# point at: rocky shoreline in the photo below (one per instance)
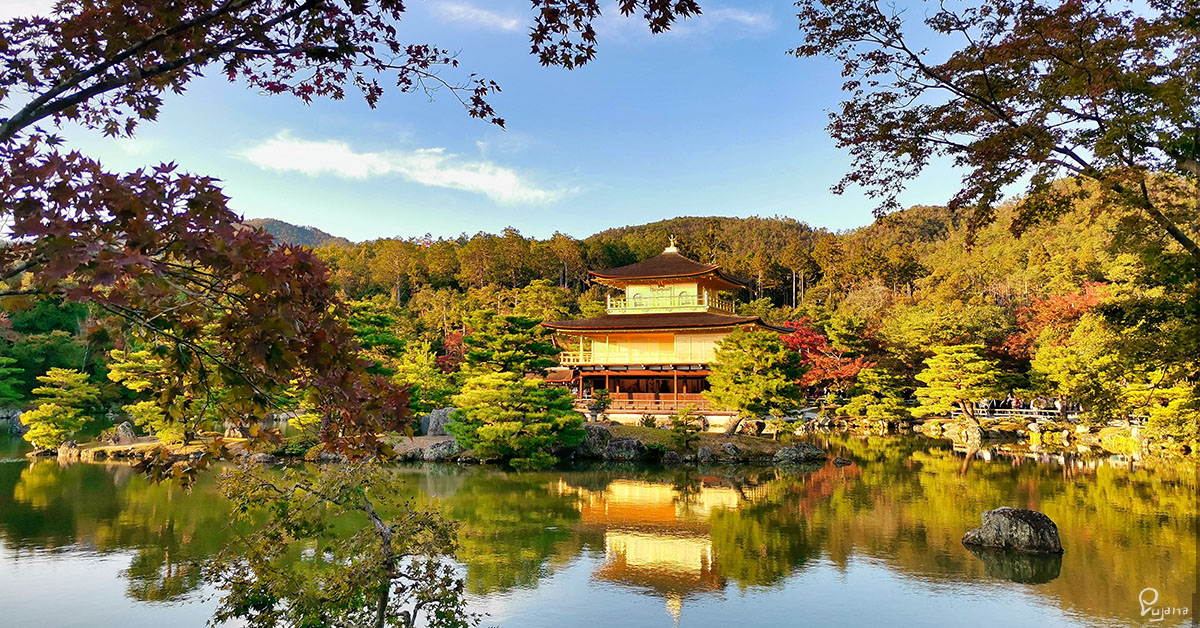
(614, 442)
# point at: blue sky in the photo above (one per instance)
(714, 118)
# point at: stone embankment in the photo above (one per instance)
(612, 442)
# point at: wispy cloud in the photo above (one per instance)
(426, 166)
(749, 19)
(475, 16)
(735, 22)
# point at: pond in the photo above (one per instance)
(875, 543)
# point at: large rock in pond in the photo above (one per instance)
(123, 435)
(595, 441)
(799, 454)
(1016, 529)
(732, 451)
(704, 455)
(441, 451)
(438, 420)
(624, 449)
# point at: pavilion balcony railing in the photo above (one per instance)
(576, 358)
(685, 301)
(568, 358)
(654, 402)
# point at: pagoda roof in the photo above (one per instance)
(668, 264)
(668, 320)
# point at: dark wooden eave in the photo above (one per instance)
(668, 265)
(663, 321)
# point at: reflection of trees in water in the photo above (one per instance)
(156, 575)
(110, 509)
(760, 543)
(903, 503)
(512, 524)
(1123, 529)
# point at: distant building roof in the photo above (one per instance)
(666, 265)
(670, 320)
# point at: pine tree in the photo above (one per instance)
(170, 408)
(957, 376)
(754, 374)
(508, 417)
(685, 428)
(60, 407)
(509, 344)
(876, 396)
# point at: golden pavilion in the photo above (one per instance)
(653, 347)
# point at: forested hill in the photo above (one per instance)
(294, 234)
(708, 238)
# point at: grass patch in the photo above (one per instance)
(750, 445)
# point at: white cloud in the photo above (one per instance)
(426, 166)
(735, 22)
(757, 21)
(475, 16)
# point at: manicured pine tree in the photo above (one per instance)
(60, 407)
(754, 374)
(515, 419)
(957, 376)
(171, 408)
(509, 344)
(685, 428)
(876, 396)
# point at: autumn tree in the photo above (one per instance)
(1027, 93)
(827, 366)
(62, 405)
(754, 374)
(508, 417)
(956, 377)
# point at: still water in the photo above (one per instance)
(873, 544)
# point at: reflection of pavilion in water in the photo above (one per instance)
(656, 536)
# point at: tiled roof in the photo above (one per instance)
(668, 264)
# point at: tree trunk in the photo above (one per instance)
(966, 410)
(793, 288)
(734, 425)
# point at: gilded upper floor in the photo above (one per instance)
(668, 283)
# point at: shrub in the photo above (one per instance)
(685, 428)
